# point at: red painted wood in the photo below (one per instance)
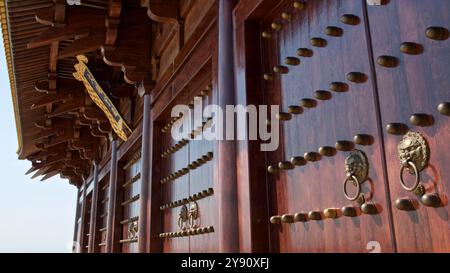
(146, 160)
(418, 85)
(319, 185)
(112, 199)
(225, 182)
(94, 206)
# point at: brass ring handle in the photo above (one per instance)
(358, 188)
(416, 172)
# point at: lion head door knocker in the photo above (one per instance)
(183, 218)
(133, 230)
(357, 170)
(194, 215)
(414, 154)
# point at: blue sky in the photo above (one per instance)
(34, 216)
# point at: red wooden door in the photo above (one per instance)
(324, 56)
(186, 174)
(334, 107)
(130, 206)
(417, 83)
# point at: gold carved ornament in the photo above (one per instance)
(100, 98)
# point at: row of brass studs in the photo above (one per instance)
(132, 180)
(205, 125)
(333, 31)
(203, 94)
(429, 200)
(103, 229)
(277, 26)
(192, 166)
(129, 241)
(175, 148)
(131, 220)
(133, 160)
(418, 119)
(182, 143)
(338, 87)
(168, 126)
(329, 213)
(410, 48)
(195, 197)
(348, 19)
(326, 151)
(187, 233)
(131, 200)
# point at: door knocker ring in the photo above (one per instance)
(416, 173)
(355, 181)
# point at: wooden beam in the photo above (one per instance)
(69, 107)
(82, 46)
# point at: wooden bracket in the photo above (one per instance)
(132, 50)
(163, 11)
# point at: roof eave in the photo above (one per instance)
(9, 63)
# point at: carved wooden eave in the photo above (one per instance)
(55, 116)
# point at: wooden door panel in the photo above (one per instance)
(318, 185)
(172, 191)
(417, 85)
(200, 180)
(131, 190)
(102, 213)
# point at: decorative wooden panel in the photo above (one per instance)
(417, 83)
(331, 51)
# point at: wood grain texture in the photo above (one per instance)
(418, 85)
(318, 185)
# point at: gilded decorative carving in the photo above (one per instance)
(100, 98)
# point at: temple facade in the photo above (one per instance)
(350, 100)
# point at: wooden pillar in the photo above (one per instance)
(93, 225)
(81, 234)
(111, 197)
(76, 226)
(145, 172)
(226, 186)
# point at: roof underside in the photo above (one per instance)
(31, 65)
